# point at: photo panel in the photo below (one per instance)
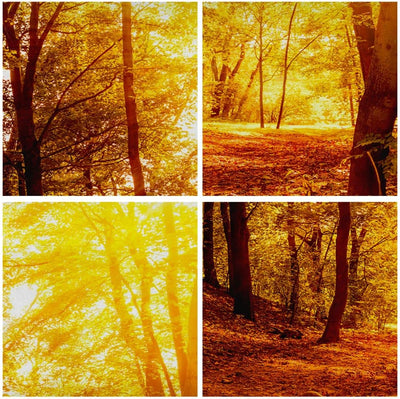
(299, 98)
(299, 299)
(100, 299)
(100, 98)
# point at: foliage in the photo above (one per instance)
(270, 258)
(324, 75)
(78, 99)
(63, 333)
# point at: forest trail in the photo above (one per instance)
(243, 359)
(241, 159)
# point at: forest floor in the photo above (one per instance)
(242, 358)
(243, 159)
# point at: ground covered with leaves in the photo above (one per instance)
(242, 159)
(241, 358)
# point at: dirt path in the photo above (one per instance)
(240, 359)
(254, 161)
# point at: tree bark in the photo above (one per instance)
(260, 69)
(332, 329)
(285, 68)
(130, 102)
(377, 111)
(219, 90)
(190, 387)
(364, 30)
(210, 274)
(227, 231)
(355, 290)
(294, 266)
(242, 289)
(230, 91)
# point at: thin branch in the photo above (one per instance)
(73, 81)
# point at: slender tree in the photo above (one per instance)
(210, 275)
(190, 387)
(130, 101)
(224, 206)
(242, 288)
(172, 295)
(332, 329)
(294, 265)
(286, 66)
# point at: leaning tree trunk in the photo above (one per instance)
(332, 329)
(377, 111)
(227, 231)
(242, 290)
(130, 102)
(210, 274)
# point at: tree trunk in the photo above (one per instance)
(172, 294)
(364, 30)
(210, 275)
(227, 231)
(242, 289)
(230, 91)
(260, 70)
(355, 291)
(285, 68)
(332, 329)
(130, 102)
(247, 91)
(377, 111)
(125, 320)
(219, 90)
(294, 266)
(190, 387)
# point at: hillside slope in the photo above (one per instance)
(242, 358)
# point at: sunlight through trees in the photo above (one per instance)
(100, 299)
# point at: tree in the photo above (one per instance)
(364, 30)
(294, 265)
(130, 102)
(79, 126)
(173, 300)
(285, 67)
(242, 288)
(93, 320)
(224, 206)
(377, 111)
(190, 387)
(22, 83)
(210, 275)
(332, 329)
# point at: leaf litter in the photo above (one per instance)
(242, 358)
(301, 161)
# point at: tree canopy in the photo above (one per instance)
(78, 127)
(100, 299)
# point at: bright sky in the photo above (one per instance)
(21, 297)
